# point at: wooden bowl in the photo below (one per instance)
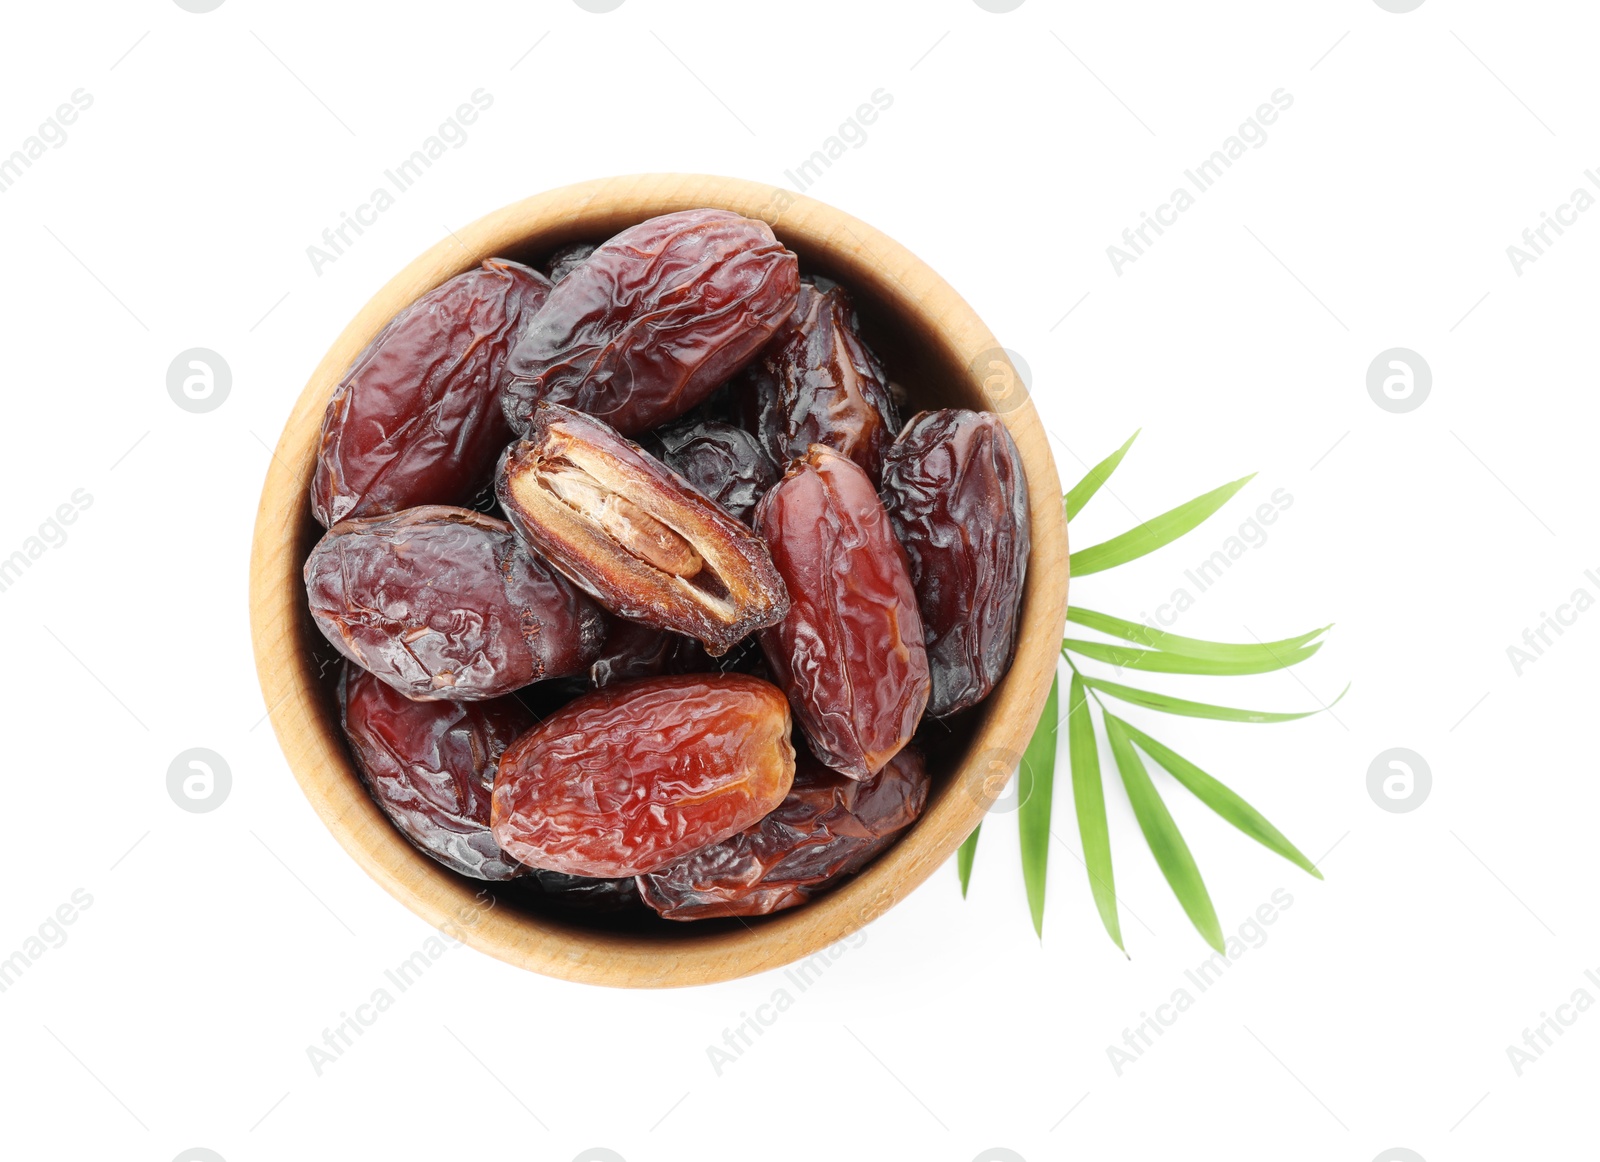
(930, 341)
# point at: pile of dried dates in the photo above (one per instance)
(643, 587)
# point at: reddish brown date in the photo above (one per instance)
(430, 767)
(624, 779)
(653, 320)
(417, 418)
(817, 383)
(724, 463)
(849, 654)
(955, 491)
(628, 530)
(567, 259)
(444, 602)
(826, 828)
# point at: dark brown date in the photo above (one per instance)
(417, 418)
(430, 767)
(849, 654)
(817, 383)
(624, 779)
(955, 491)
(632, 650)
(585, 895)
(444, 602)
(725, 463)
(654, 320)
(628, 530)
(567, 259)
(826, 828)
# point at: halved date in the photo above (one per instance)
(430, 767)
(653, 320)
(417, 418)
(444, 602)
(956, 493)
(624, 779)
(634, 534)
(849, 653)
(816, 382)
(826, 828)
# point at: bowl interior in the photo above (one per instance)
(927, 339)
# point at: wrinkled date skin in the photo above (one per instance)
(955, 491)
(653, 320)
(817, 383)
(587, 895)
(417, 418)
(850, 652)
(826, 828)
(624, 779)
(632, 650)
(567, 259)
(725, 463)
(628, 530)
(444, 602)
(430, 766)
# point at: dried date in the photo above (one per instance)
(724, 463)
(816, 382)
(430, 767)
(443, 602)
(624, 779)
(653, 320)
(849, 654)
(956, 494)
(585, 895)
(628, 530)
(632, 650)
(567, 259)
(417, 418)
(826, 828)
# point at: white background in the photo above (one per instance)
(1376, 1014)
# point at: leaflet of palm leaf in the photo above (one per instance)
(1143, 648)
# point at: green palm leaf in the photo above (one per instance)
(1158, 661)
(1035, 788)
(1154, 533)
(964, 857)
(1085, 489)
(1170, 705)
(1155, 639)
(1161, 833)
(1088, 797)
(1221, 799)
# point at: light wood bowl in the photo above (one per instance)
(931, 342)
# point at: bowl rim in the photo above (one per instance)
(321, 764)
